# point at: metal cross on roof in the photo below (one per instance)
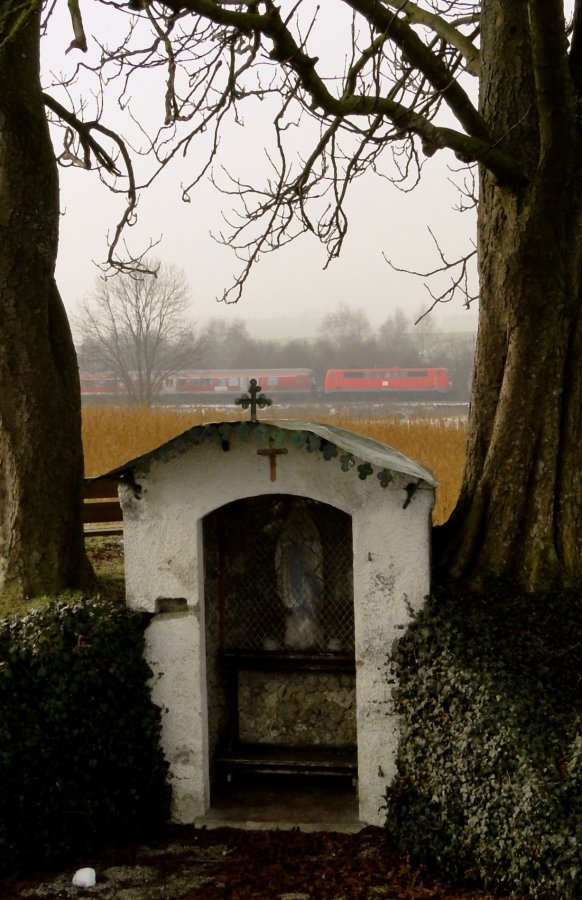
(255, 399)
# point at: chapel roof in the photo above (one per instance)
(348, 447)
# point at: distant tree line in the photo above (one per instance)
(138, 329)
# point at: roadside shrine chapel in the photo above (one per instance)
(279, 561)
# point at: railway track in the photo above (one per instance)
(355, 409)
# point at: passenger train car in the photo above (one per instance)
(209, 384)
(291, 383)
(215, 385)
(101, 387)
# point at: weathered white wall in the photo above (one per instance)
(163, 558)
(391, 577)
(173, 651)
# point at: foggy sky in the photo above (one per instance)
(290, 284)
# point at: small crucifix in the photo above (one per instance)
(272, 453)
(255, 399)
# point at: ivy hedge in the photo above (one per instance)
(490, 757)
(80, 759)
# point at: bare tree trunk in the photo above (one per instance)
(41, 462)
(519, 515)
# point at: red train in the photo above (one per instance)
(204, 383)
(290, 384)
(211, 383)
(101, 387)
(374, 382)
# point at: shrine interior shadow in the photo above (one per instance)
(326, 803)
(279, 629)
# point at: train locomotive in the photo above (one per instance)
(375, 382)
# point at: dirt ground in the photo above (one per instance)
(189, 863)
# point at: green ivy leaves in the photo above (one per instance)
(490, 756)
(79, 735)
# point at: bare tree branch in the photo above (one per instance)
(80, 41)
(459, 271)
(403, 65)
(446, 30)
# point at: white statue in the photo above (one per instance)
(299, 568)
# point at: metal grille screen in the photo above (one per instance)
(284, 571)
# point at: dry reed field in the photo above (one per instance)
(113, 435)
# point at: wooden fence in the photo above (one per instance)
(102, 514)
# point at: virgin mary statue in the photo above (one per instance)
(299, 568)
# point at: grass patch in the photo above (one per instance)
(106, 555)
(11, 606)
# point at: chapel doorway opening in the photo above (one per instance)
(279, 619)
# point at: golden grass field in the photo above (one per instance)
(112, 435)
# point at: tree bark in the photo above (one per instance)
(519, 515)
(41, 460)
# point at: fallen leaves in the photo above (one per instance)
(235, 864)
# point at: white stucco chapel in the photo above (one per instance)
(278, 560)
